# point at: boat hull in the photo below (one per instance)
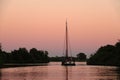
(68, 63)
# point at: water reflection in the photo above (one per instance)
(100, 73)
(91, 73)
(58, 72)
(27, 73)
(118, 72)
(0, 74)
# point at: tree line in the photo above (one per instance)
(22, 55)
(108, 55)
(79, 57)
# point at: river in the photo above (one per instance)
(54, 71)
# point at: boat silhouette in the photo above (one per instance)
(67, 60)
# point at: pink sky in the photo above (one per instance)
(41, 24)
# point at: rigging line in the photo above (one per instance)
(70, 49)
(64, 47)
(69, 44)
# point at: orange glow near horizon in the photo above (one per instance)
(41, 24)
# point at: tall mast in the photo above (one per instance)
(66, 40)
(67, 61)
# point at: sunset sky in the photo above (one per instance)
(41, 24)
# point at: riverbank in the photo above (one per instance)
(22, 65)
(36, 64)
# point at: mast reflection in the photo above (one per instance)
(66, 68)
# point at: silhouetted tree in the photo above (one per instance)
(1, 57)
(81, 57)
(22, 55)
(106, 55)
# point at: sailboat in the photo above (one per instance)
(67, 61)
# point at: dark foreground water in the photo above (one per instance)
(54, 71)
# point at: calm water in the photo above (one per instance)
(54, 71)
